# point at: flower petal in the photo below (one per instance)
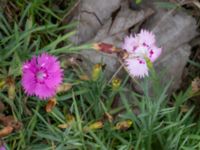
(29, 82)
(54, 79)
(2, 147)
(44, 92)
(49, 62)
(130, 43)
(137, 67)
(146, 37)
(153, 53)
(30, 65)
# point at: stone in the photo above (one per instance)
(93, 14)
(172, 29)
(171, 66)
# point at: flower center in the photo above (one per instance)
(41, 75)
(141, 51)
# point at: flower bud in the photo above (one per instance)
(70, 118)
(2, 83)
(93, 126)
(105, 47)
(11, 91)
(116, 84)
(96, 71)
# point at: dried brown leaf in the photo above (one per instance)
(123, 125)
(11, 122)
(2, 107)
(6, 131)
(84, 77)
(64, 87)
(94, 126)
(63, 126)
(51, 104)
(196, 85)
(184, 108)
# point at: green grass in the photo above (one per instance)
(159, 125)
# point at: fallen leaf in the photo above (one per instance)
(69, 120)
(184, 108)
(51, 104)
(2, 107)
(64, 87)
(123, 125)
(5, 120)
(6, 131)
(93, 126)
(196, 85)
(11, 122)
(84, 77)
(63, 126)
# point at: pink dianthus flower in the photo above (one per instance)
(140, 47)
(2, 147)
(41, 76)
